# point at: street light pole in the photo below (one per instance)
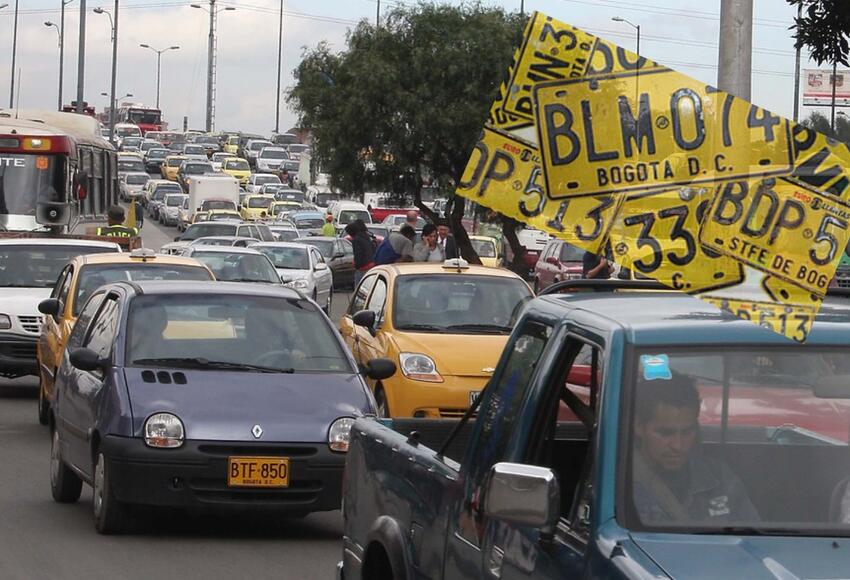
(14, 53)
(211, 59)
(49, 24)
(114, 25)
(633, 25)
(735, 56)
(81, 57)
(797, 71)
(158, 64)
(279, 58)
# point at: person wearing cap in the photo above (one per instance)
(328, 228)
(116, 228)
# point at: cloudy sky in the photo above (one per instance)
(678, 33)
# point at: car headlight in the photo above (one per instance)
(300, 284)
(339, 434)
(5, 322)
(164, 430)
(419, 367)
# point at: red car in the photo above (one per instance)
(559, 261)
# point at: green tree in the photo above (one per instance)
(820, 123)
(824, 28)
(406, 101)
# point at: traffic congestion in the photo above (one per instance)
(559, 312)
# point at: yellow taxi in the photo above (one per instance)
(170, 166)
(78, 281)
(238, 168)
(256, 207)
(221, 214)
(445, 326)
(232, 145)
(487, 249)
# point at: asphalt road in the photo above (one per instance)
(40, 539)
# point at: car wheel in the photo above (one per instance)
(110, 515)
(43, 405)
(64, 483)
(381, 400)
(330, 302)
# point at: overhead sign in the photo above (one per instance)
(817, 87)
(671, 178)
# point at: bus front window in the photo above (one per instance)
(28, 179)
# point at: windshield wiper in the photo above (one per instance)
(485, 327)
(201, 362)
(430, 327)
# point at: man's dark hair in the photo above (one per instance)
(407, 231)
(359, 226)
(442, 222)
(115, 213)
(428, 229)
(351, 229)
(679, 391)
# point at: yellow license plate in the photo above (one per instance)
(656, 235)
(794, 322)
(781, 228)
(258, 472)
(651, 130)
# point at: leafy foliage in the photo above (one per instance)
(824, 28)
(820, 123)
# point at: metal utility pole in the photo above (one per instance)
(633, 25)
(378, 15)
(59, 97)
(81, 57)
(735, 64)
(158, 64)
(832, 104)
(211, 61)
(114, 25)
(797, 73)
(14, 53)
(279, 58)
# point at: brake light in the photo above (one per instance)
(36, 144)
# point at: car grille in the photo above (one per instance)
(215, 490)
(842, 277)
(226, 450)
(31, 324)
(18, 350)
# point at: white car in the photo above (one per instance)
(217, 159)
(132, 184)
(29, 269)
(270, 158)
(194, 151)
(253, 148)
(170, 207)
(296, 150)
(258, 180)
(345, 212)
(303, 268)
(395, 220)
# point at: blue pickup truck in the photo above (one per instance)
(623, 435)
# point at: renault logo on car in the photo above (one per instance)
(257, 431)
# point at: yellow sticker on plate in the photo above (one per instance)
(794, 322)
(656, 235)
(650, 131)
(504, 174)
(781, 228)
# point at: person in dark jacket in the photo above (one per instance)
(446, 241)
(364, 250)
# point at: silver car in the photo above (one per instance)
(303, 268)
(170, 207)
(131, 185)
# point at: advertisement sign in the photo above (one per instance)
(817, 87)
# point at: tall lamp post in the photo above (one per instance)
(213, 12)
(59, 32)
(279, 58)
(114, 25)
(158, 63)
(14, 53)
(633, 25)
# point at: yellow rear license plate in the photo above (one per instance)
(653, 130)
(258, 472)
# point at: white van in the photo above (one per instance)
(345, 212)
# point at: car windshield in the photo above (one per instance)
(34, 266)
(137, 179)
(325, 246)
(223, 216)
(219, 157)
(131, 141)
(194, 150)
(163, 190)
(174, 200)
(196, 231)
(239, 267)
(157, 153)
(347, 216)
(484, 248)
(210, 204)
(263, 179)
(209, 140)
(93, 276)
(175, 162)
(285, 235)
(257, 145)
(197, 168)
(724, 440)
(237, 165)
(570, 253)
(378, 230)
(127, 165)
(212, 242)
(323, 199)
(257, 333)
(308, 223)
(298, 148)
(274, 154)
(260, 202)
(289, 258)
(457, 303)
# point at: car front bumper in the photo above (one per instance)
(18, 356)
(447, 400)
(195, 476)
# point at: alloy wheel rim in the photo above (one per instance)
(97, 499)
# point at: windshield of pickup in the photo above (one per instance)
(33, 266)
(93, 276)
(196, 231)
(239, 266)
(728, 442)
(457, 303)
(256, 333)
(260, 202)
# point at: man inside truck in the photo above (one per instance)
(672, 479)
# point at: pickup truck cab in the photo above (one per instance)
(623, 435)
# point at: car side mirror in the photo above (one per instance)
(86, 359)
(320, 266)
(50, 307)
(176, 238)
(366, 319)
(379, 369)
(523, 495)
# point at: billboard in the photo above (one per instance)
(817, 88)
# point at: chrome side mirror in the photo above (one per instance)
(523, 495)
